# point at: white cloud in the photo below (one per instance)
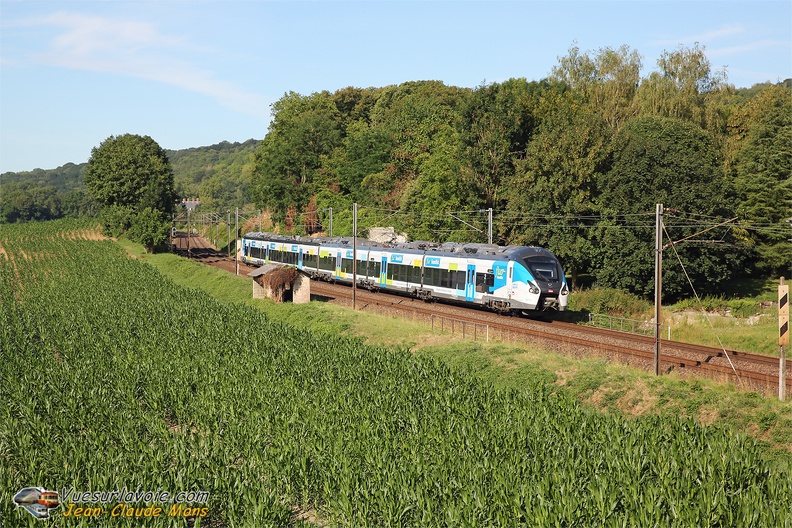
(748, 48)
(708, 36)
(138, 49)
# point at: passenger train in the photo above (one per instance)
(505, 279)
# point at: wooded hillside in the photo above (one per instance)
(218, 174)
(575, 162)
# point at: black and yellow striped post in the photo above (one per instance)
(783, 336)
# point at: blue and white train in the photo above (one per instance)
(504, 279)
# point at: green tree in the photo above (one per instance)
(668, 161)
(25, 202)
(762, 175)
(552, 196)
(606, 82)
(681, 87)
(411, 116)
(496, 126)
(133, 171)
(366, 150)
(149, 227)
(440, 188)
(303, 131)
(131, 177)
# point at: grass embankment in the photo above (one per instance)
(609, 387)
(745, 318)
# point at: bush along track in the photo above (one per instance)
(112, 376)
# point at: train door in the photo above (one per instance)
(510, 268)
(338, 266)
(383, 278)
(470, 283)
(300, 259)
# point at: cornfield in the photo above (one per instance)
(111, 376)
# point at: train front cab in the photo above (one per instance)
(538, 283)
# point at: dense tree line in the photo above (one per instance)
(575, 162)
(44, 195)
(219, 174)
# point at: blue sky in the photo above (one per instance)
(194, 73)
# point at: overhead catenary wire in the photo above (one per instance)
(673, 245)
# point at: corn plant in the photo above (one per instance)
(112, 376)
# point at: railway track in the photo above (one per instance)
(754, 371)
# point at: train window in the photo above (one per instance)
(484, 281)
(544, 267)
(400, 272)
(327, 263)
(309, 261)
(416, 275)
(461, 279)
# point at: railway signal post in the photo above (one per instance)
(783, 336)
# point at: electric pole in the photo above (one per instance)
(489, 230)
(658, 283)
(354, 255)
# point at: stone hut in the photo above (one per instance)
(281, 283)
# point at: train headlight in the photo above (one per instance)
(564, 290)
(533, 289)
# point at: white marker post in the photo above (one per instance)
(783, 336)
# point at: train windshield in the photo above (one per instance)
(543, 267)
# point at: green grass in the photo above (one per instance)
(742, 318)
(623, 390)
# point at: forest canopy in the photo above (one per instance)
(575, 162)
